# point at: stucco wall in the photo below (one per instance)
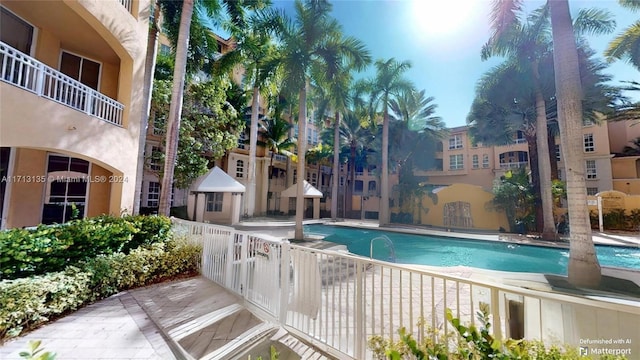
(28, 163)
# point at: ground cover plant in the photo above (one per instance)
(470, 343)
(28, 302)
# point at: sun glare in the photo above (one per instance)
(435, 18)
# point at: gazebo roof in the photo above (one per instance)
(309, 191)
(217, 180)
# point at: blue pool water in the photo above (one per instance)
(441, 251)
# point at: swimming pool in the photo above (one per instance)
(441, 251)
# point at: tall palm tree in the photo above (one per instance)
(584, 268)
(355, 134)
(525, 44)
(626, 46)
(275, 132)
(181, 44)
(312, 44)
(387, 84)
(256, 52)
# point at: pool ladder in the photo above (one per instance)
(389, 245)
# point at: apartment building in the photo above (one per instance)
(625, 168)
(71, 107)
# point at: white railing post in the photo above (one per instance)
(284, 281)
(244, 249)
(39, 80)
(89, 103)
(228, 281)
(360, 342)
(495, 313)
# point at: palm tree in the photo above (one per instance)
(312, 44)
(627, 44)
(388, 84)
(526, 44)
(584, 268)
(275, 137)
(181, 44)
(355, 134)
(256, 52)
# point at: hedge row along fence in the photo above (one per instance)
(51, 248)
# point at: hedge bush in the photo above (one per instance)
(50, 248)
(29, 302)
(617, 219)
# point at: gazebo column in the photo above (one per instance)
(199, 205)
(236, 199)
(316, 208)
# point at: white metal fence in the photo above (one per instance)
(337, 301)
(23, 71)
(128, 4)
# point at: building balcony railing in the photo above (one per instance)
(128, 4)
(514, 165)
(29, 74)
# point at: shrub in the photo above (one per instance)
(470, 343)
(49, 248)
(28, 302)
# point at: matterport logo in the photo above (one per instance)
(605, 347)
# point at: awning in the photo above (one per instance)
(309, 191)
(217, 180)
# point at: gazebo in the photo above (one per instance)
(221, 201)
(309, 192)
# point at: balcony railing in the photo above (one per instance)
(128, 4)
(338, 301)
(29, 74)
(514, 165)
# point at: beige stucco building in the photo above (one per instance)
(70, 107)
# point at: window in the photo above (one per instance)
(153, 194)
(314, 179)
(295, 130)
(81, 69)
(592, 190)
(474, 162)
(67, 187)
(520, 139)
(588, 122)
(485, 161)
(455, 142)
(158, 124)
(15, 31)
(242, 139)
(239, 169)
(154, 159)
(214, 202)
(592, 172)
(341, 180)
(589, 145)
(439, 146)
(372, 186)
(295, 176)
(558, 155)
(456, 162)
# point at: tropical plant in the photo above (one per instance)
(312, 44)
(626, 46)
(584, 268)
(634, 149)
(514, 195)
(388, 84)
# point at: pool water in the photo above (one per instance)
(441, 251)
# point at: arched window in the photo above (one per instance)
(240, 169)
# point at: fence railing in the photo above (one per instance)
(128, 4)
(337, 301)
(25, 72)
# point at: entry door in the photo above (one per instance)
(67, 189)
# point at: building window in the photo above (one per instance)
(295, 130)
(341, 181)
(153, 194)
(242, 140)
(158, 124)
(155, 159)
(314, 179)
(592, 190)
(589, 145)
(455, 142)
(485, 161)
(214, 202)
(475, 163)
(372, 186)
(359, 184)
(80, 69)
(456, 162)
(588, 122)
(558, 155)
(67, 187)
(239, 169)
(520, 139)
(592, 172)
(295, 176)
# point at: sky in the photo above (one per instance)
(442, 40)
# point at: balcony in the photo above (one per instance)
(31, 75)
(514, 165)
(128, 4)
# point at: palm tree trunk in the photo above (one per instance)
(149, 69)
(336, 167)
(250, 202)
(302, 141)
(532, 144)
(352, 175)
(175, 109)
(384, 191)
(553, 160)
(584, 269)
(544, 166)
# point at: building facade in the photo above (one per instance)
(71, 107)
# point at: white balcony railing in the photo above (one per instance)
(29, 74)
(514, 165)
(338, 301)
(128, 4)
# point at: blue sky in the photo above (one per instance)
(442, 39)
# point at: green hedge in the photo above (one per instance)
(617, 219)
(50, 248)
(28, 302)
